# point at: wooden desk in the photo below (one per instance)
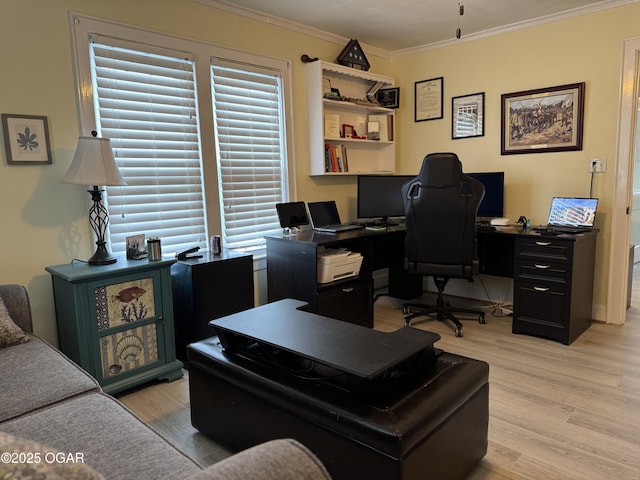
(553, 275)
(292, 272)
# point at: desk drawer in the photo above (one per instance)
(543, 271)
(351, 301)
(551, 249)
(540, 310)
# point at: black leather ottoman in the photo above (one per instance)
(432, 425)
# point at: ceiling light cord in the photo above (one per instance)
(460, 13)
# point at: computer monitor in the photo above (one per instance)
(492, 205)
(380, 196)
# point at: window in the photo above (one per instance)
(146, 104)
(195, 128)
(249, 131)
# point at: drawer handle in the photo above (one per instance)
(541, 289)
(347, 290)
(540, 265)
(543, 244)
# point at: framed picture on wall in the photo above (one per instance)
(429, 99)
(543, 120)
(26, 139)
(389, 97)
(467, 116)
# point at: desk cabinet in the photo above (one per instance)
(553, 285)
(207, 288)
(116, 321)
(292, 273)
(348, 300)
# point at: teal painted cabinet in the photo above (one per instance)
(116, 321)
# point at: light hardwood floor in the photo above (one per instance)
(556, 411)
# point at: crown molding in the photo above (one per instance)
(576, 12)
(288, 24)
(340, 40)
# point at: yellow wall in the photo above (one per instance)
(582, 49)
(45, 221)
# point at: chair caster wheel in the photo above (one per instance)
(459, 332)
(482, 319)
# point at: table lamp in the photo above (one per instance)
(93, 165)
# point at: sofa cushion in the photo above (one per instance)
(25, 459)
(282, 459)
(35, 375)
(10, 333)
(112, 440)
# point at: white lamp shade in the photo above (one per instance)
(93, 164)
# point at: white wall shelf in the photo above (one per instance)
(362, 155)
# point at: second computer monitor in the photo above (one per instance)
(492, 205)
(380, 196)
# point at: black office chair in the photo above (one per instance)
(440, 208)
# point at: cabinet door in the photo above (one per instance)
(129, 324)
(540, 309)
(350, 301)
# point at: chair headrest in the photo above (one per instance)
(440, 169)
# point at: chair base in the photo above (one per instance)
(441, 311)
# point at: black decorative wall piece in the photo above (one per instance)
(353, 56)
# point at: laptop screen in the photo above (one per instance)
(572, 212)
(323, 213)
(292, 214)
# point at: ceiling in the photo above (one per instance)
(393, 25)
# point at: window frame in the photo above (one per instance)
(202, 52)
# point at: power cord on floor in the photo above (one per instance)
(498, 309)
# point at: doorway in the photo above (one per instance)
(634, 238)
(621, 218)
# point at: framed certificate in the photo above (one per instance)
(429, 99)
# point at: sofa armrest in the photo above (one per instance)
(16, 299)
(283, 459)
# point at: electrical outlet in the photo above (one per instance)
(597, 165)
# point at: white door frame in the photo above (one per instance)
(623, 187)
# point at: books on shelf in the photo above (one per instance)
(335, 158)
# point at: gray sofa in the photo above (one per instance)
(53, 415)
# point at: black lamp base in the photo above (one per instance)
(102, 256)
(99, 219)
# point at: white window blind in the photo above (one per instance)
(249, 130)
(145, 101)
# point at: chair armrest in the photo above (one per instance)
(16, 299)
(284, 459)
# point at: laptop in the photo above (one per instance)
(292, 214)
(325, 218)
(572, 215)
